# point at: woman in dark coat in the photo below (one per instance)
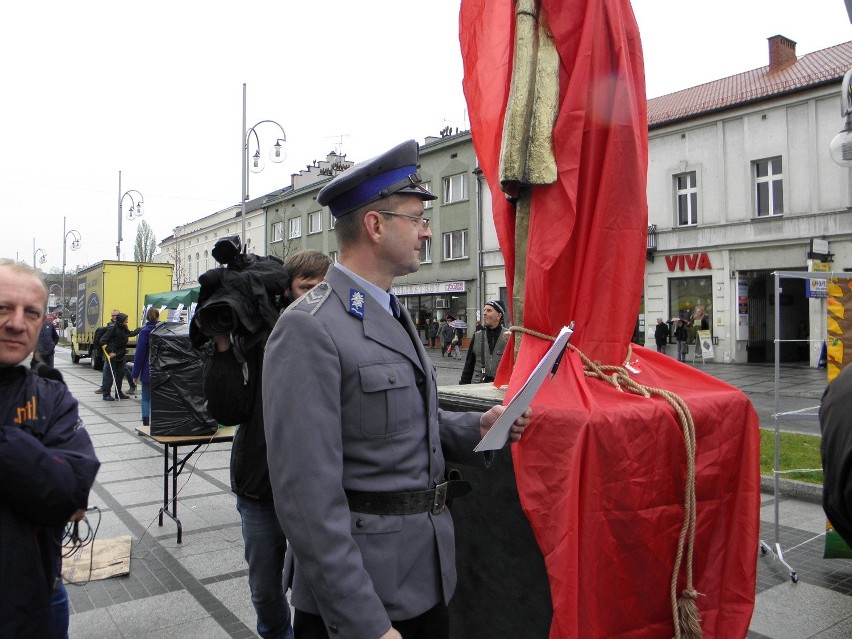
(142, 363)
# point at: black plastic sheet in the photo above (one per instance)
(178, 406)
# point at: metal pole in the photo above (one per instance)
(64, 242)
(118, 244)
(244, 194)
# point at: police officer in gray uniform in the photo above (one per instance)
(356, 441)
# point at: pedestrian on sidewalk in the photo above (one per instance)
(486, 347)
(142, 363)
(48, 338)
(447, 332)
(661, 335)
(432, 332)
(681, 335)
(115, 342)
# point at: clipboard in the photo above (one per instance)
(498, 435)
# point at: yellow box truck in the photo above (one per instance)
(112, 285)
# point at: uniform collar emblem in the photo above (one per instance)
(356, 303)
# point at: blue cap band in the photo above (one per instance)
(368, 190)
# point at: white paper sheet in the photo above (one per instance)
(498, 435)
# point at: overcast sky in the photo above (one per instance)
(154, 89)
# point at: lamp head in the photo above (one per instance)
(841, 146)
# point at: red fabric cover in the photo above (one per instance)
(601, 473)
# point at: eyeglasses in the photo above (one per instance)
(423, 221)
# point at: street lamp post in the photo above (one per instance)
(276, 154)
(42, 258)
(75, 244)
(134, 212)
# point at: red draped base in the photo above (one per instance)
(601, 477)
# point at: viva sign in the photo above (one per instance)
(693, 262)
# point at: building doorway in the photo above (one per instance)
(793, 318)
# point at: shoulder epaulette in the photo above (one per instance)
(311, 301)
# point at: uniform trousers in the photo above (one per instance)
(432, 624)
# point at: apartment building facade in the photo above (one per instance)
(740, 185)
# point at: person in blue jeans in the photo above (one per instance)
(232, 386)
(142, 363)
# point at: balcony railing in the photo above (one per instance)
(652, 243)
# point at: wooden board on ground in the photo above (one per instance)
(102, 559)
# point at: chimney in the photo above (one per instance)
(782, 53)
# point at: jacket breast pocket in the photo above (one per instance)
(388, 398)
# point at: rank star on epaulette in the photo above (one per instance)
(356, 303)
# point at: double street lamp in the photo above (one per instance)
(75, 244)
(276, 154)
(134, 212)
(38, 255)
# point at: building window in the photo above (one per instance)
(295, 228)
(333, 255)
(314, 222)
(426, 252)
(455, 188)
(331, 221)
(277, 231)
(768, 187)
(686, 196)
(427, 204)
(455, 245)
(206, 261)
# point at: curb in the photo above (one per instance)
(792, 488)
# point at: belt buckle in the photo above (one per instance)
(440, 500)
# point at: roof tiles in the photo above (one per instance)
(810, 70)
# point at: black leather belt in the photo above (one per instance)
(407, 503)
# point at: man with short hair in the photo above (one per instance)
(47, 464)
(355, 439)
(486, 347)
(233, 392)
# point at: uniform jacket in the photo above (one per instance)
(351, 403)
(47, 466)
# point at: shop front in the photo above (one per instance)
(433, 302)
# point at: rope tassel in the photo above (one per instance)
(688, 619)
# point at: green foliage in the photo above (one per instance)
(797, 452)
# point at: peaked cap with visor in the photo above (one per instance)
(392, 172)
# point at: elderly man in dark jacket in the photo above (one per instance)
(115, 340)
(47, 463)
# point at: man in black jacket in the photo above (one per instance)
(232, 385)
(115, 340)
(47, 464)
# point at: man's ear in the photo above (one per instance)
(373, 221)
